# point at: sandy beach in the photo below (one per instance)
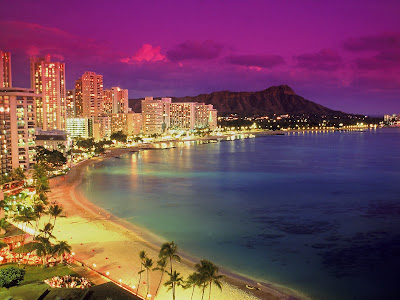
(111, 245)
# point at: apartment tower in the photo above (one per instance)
(48, 79)
(5, 69)
(90, 85)
(17, 127)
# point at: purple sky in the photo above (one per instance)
(342, 54)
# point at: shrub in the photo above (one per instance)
(11, 276)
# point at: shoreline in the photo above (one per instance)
(78, 207)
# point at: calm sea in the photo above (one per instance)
(317, 212)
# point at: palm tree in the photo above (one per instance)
(161, 265)
(61, 248)
(42, 198)
(168, 250)
(193, 280)
(147, 264)
(3, 225)
(18, 174)
(174, 280)
(39, 209)
(142, 256)
(209, 273)
(46, 231)
(26, 216)
(55, 211)
(43, 248)
(40, 179)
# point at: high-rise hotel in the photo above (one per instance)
(89, 95)
(5, 69)
(17, 127)
(48, 79)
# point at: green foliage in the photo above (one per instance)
(119, 136)
(11, 276)
(52, 158)
(85, 143)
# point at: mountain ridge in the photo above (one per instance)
(278, 100)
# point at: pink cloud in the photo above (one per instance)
(34, 40)
(147, 53)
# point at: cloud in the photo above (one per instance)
(204, 50)
(380, 42)
(324, 60)
(147, 53)
(256, 62)
(34, 40)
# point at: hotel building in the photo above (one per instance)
(182, 116)
(115, 101)
(17, 127)
(48, 79)
(91, 87)
(130, 123)
(80, 127)
(159, 116)
(102, 127)
(5, 69)
(71, 104)
(155, 115)
(78, 99)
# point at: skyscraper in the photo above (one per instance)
(5, 69)
(48, 79)
(17, 127)
(115, 101)
(91, 85)
(70, 102)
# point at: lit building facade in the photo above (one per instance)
(78, 99)
(212, 118)
(80, 127)
(102, 128)
(71, 104)
(92, 94)
(159, 116)
(182, 116)
(52, 142)
(5, 69)
(115, 101)
(48, 79)
(17, 127)
(130, 123)
(155, 115)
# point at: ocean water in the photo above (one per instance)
(317, 212)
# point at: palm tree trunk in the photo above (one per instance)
(148, 283)
(202, 295)
(36, 227)
(173, 291)
(162, 274)
(209, 294)
(140, 277)
(192, 292)
(170, 260)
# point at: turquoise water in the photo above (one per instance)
(317, 212)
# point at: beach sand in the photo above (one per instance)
(109, 244)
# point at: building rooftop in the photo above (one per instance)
(53, 137)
